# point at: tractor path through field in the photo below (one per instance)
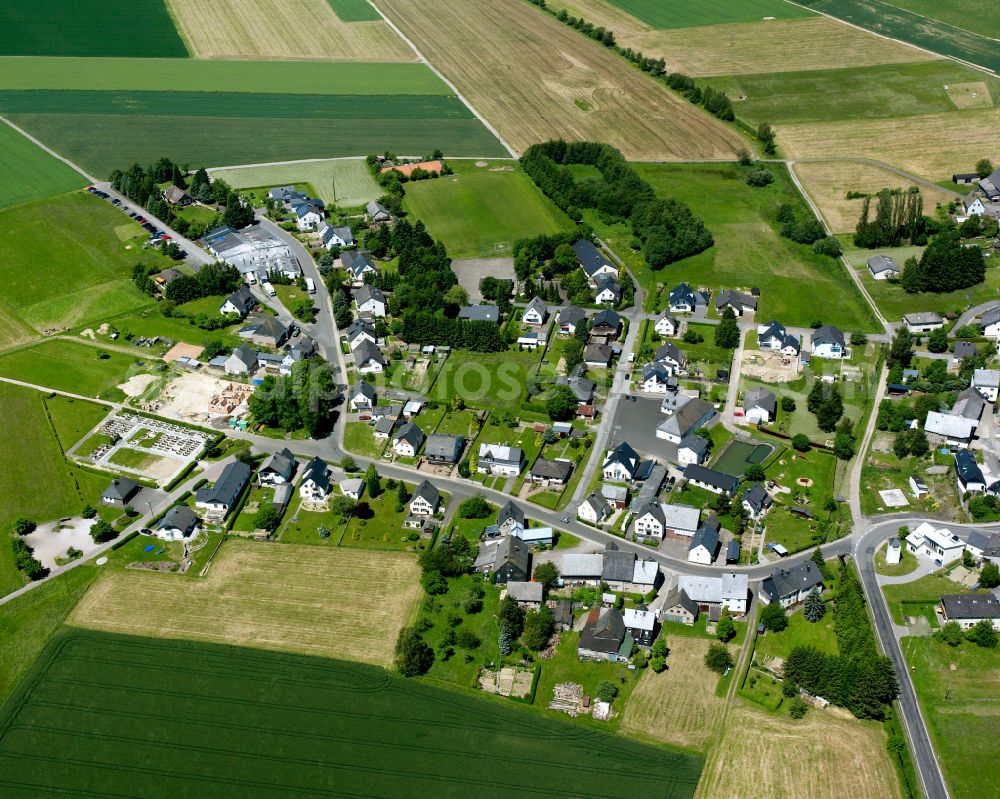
(729, 412)
(412, 45)
(48, 149)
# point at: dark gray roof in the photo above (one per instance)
(712, 477)
(623, 454)
(684, 294)
(990, 316)
(412, 434)
(599, 503)
(551, 469)
(597, 353)
(571, 315)
(707, 536)
(366, 351)
(967, 469)
(784, 581)
(882, 263)
(605, 633)
(669, 351)
(761, 398)
(757, 497)
(368, 292)
(282, 463)
(590, 257)
(444, 447)
(510, 511)
(618, 565)
(428, 491)
(583, 387)
(606, 318)
(179, 517)
(969, 404)
(537, 304)
(513, 550)
(228, 487)
(120, 489)
(363, 389)
(965, 349)
(356, 262)
(681, 598)
(242, 298)
(480, 313)
(316, 471)
(360, 326)
(971, 606)
(695, 443)
(737, 299)
(828, 333)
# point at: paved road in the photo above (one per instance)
(970, 315)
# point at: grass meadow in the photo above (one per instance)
(345, 182)
(957, 689)
(295, 721)
(135, 28)
(33, 457)
(68, 261)
(481, 211)
(69, 366)
(692, 13)
(967, 14)
(354, 11)
(748, 251)
(27, 172)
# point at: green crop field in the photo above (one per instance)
(141, 28)
(665, 14)
(480, 208)
(203, 75)
(27, 172)
(898, 23)
(879, 92)
(345, 182)
(748, 251)
(354, 11)
(66, 265)
(246, 722)
(957, 689)
(68, 366)
(971, 15)
(32, 453)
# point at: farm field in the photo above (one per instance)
(740, 48)
(957, 689)
(32, 452)
(925, 145)
(873, 92)
(828, 182)
(821, 756)
(84, 246)
(967, 14)
(28, 173)
(481, 211)
(274, 596)
(324, 723)
(679, 705)
(354, 183)
(691, 13)
(285, 29)
(748, 251)
(890, 20)
(535, 79)
(82, 28)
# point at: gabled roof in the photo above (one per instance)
(712, 477)
(121, 488)
(571, 315)
(619, 566)
(604, 631)
(923, 318)
(967, 469)
(623, 454)
(582, 387)
(375, 209)
(669, 352)
(442, 446)
(412, 434)
(990, 316)
(785, 581)
(597, 353)
(510, 511)
(969, 404)
(512, 550)
(590, 257)
(356, 263)
(652, 508)
(971, 606)
(606, 318)
(316, 472)
(368, 292)
(551, 469)
(360, 325)
(500, 453)
(828, 334)
(609, 282)
(684, 420)
(696, 444)
(665, 314)
(270, 327)
(761, 398)
(428, 491)
(245, 355)
(965, 349)
(361, 389)
(757, 497)
(640, 618)
(986, 378)
(281, 463)
(366, 351)
(737, 299)
(480, 313)
(679, 598)
(882, 263)
(598, 503)
(228, 487)
(707, 536)
(949, 425)
(525, 591)
(242, 298)
(683, 294)
(179, 517)
(537, 305)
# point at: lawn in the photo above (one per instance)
(883, 470)
(692, 13)
(493, 380)
(798, 633)
(480, 211)
(343, 182)
(68, 366)
(384, 530)
(359, 437)
(324, 722)
(877, 92)
(149, 322)
(354, 11)
(748, 251)
(65, 263)
(907, 563)
(902, 599)
(32, 452)
(783, 528)
(28, 173)
(73, 418)
(81, 28)
(459, 423)
(957, 688)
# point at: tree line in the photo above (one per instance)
(946, 265)
(667, 229)
(427, 327)
(898, 218)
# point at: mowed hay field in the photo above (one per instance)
(113, 715)
(677, 706)
(27, 172)
(283, 29)
(274, 596)
(354, 182)
(769, 756)
(933, 146)
(534, 79)
(827, 183)
(741, 48)
(690, 13)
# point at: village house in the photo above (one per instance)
(581, 569)
(954, 431)
(941, 545)
(684, 299)
(692, 415)
(220, 498)
(739, 302)
(315, 485)
(527, 595)
(620, 464)
(593, 263)
(265, 331)
(119, 492)
(357, 265)
(923, 322)
(756, 501)
(407, 440)
(893, 551)
(730, 590)
(480, 313)
(987, 383)
(510, 517)
(243, 361)
(711, 480)
(828, 342)
(368, 358)
(605, 637)
(443, 449)
(970, 609)
(968, 474)
(336, 237)
(657, 379)
(606, 323)
(377, 213)
(640, 622)
(705, 542)
(174, 195)
(989, 322)
(370, 301)
(535, 313)
(615, 495)
(625, 572)
(308, 216)
(594, 509)
(656, 520)
(774, 337)
(791, 585)
(760, 406)
(666, 324)
(545, 472)
(278, 468)
(512, 562)
(532, 339)
(679, 607)
(597, 356)
(179, 523)
(240, 302)
(361, 398)
(360, 330)
(672, 356)
(425, 499)
(499, 459)
(692, 449)
(582, 387)
(882, 267)
(608, 290)
(569, 318)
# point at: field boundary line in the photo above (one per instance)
(48, 149)
(956, 59)
(448, 83)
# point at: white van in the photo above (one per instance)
(310, 285)
(268, 289)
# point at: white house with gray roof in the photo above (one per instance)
(499, 459)
(987, 383)
(535, 313)
(594, 509)
(923, 322)
(370, 300)
(480, 313)
(828, 342)
(760, 406)
(425, 499)
(882, 267)
(692, 415)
